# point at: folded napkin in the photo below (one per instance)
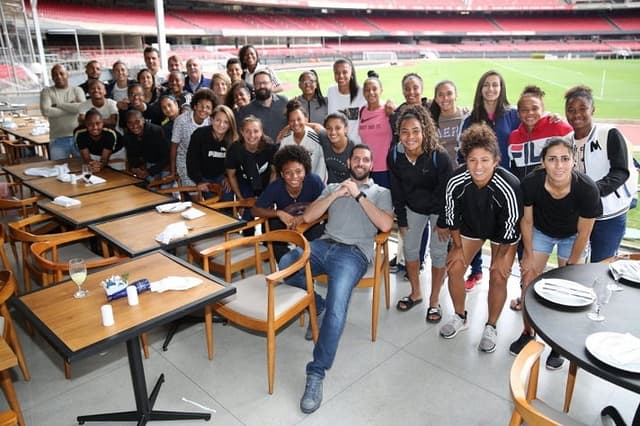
(172, 232)
(96, 179)
(37, 131)
(173, 207)
(192, 214)
(65, 201)
(175, 283)
(66, 178)
(625, 268)
(625, 350)
(41, 171)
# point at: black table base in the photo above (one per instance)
(189, 319)
(144, 403)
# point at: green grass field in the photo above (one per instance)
(618, 98)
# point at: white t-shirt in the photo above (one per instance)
(310, 142)
(336, 101)
(109, 108)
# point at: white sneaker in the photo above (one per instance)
(488, 341)
(456, 323)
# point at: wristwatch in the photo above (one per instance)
(360, 195)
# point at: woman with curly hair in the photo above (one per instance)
(419, 170)
(482, 201)
(202, 104)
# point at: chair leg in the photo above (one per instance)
(374, 309)
(271, 357)
(67, 370)
(571, 382)
(14, 342)
(145, 345)
(10, 393)
(516, 419)
(208, 330)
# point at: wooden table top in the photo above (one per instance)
(25, 125)
(74, 326)
(103, 205)
(135, 234)
(52, 187)
(7, 357)
(17, 171)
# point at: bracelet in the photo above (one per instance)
(360, 195)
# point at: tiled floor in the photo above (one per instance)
(410, 376)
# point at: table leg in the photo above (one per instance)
(144, 403)
(9, 391)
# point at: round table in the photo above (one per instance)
(566, 329)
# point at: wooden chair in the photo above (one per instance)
(157, 183)
(8, 418)
(227, 263)
(263, 302)
(38, 228)
(53, 268)
(528, 407)
(7, 290)
(17, 208)
(18, 150)
(3, 254)
(377, 271)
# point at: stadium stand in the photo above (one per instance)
(556, 24)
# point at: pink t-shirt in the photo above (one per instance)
(375, 131)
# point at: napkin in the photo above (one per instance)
(175, 283)
(37, 131)
(65, 201)
(173, 207)
(41, 171)
(625, 350)
(66, 178)
(627, 269)
(192, 214)
(171, 232)
(96, 179)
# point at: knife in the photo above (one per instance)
(567, 292)
(561, 287)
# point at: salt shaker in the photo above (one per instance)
(132, 295)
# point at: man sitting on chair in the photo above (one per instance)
(358, 209)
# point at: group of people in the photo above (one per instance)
(452, 177)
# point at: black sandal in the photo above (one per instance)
(434, 314)
(406, 303)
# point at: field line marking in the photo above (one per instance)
(555, 83)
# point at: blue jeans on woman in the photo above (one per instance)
(344, 265)
(606, 237)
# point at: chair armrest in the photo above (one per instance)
(304, 226)
(382, 237)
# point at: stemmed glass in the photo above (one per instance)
(78, 273)
(603, 294)
(615, 287)
(86, 173)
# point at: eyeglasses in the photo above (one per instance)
(308, 82)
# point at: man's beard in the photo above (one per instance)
(361, 176)
(263, 94)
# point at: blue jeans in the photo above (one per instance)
(606, 237)
(344, 265)
(476, 263)
(543, 243)
(62, 148)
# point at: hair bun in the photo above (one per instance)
(372, 73)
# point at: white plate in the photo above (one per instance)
(602, 346)
(564, 292)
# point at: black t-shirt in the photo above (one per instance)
(558, 218)
(109, 140)
(254, 168)
(152, 147)
(205, 156)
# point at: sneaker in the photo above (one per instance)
(554, 361)
(312, 397)
(308, 335)
(517, 345)
(395, 267)
(489, 337)
(451, 328)
(471, 281)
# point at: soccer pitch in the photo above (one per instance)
(615, 83)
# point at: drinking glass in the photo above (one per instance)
(86, 173)
(78, 273)
(603, 294)
(615, 287)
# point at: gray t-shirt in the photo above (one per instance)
(273, 118)
(348, 223)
